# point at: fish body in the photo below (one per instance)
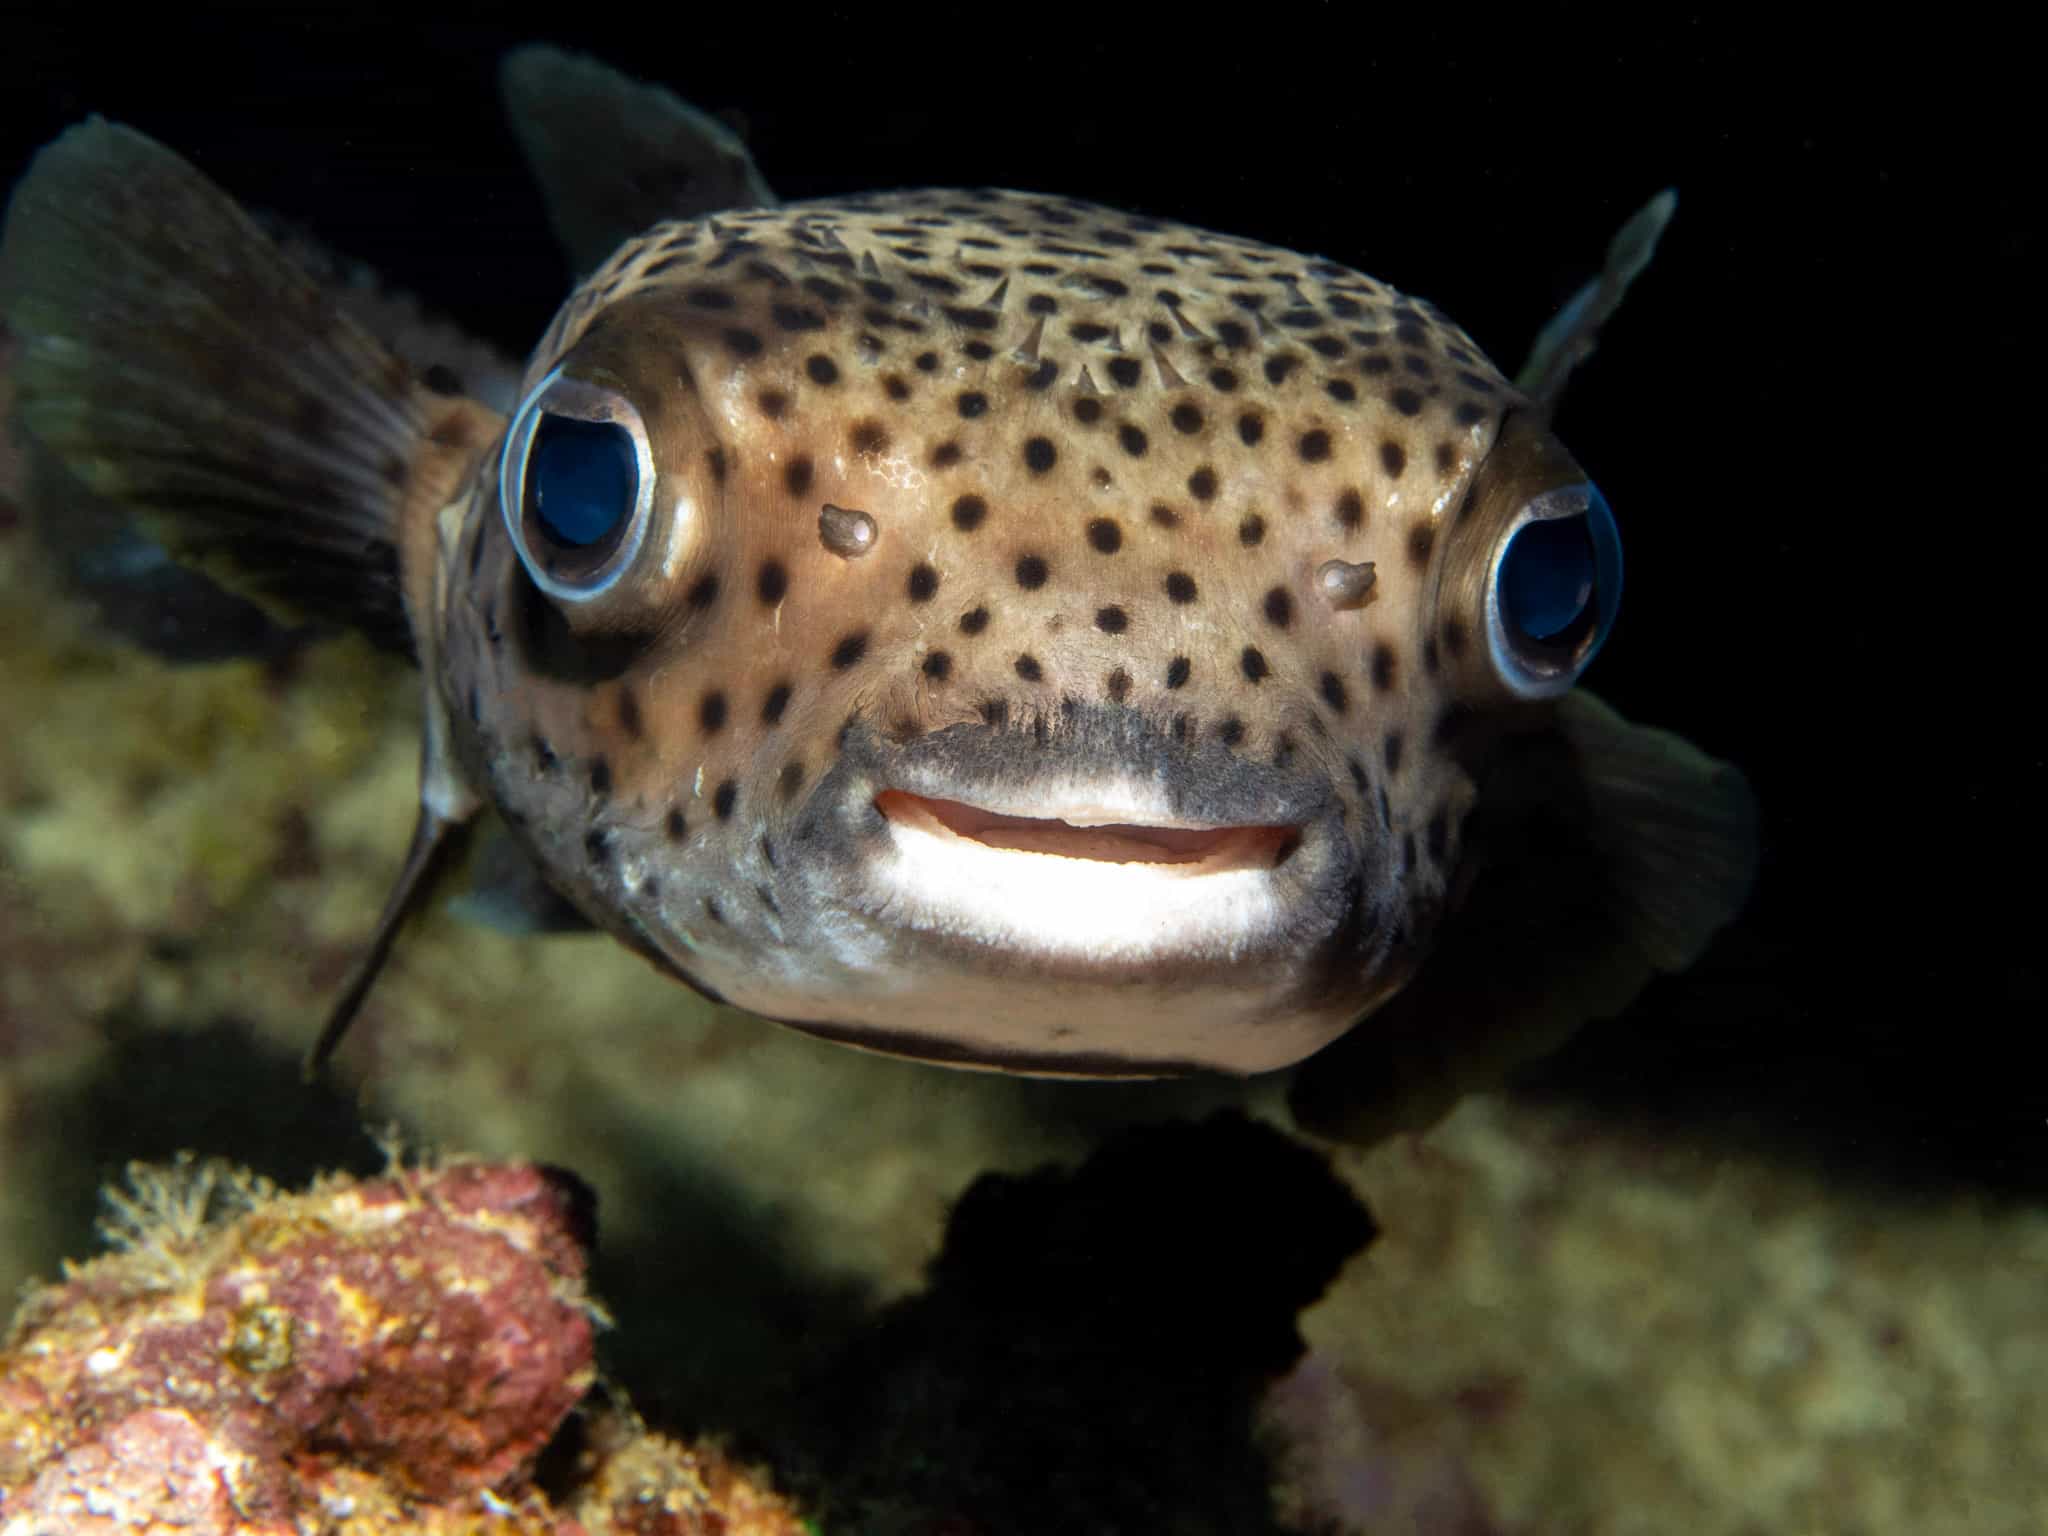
(977, 625)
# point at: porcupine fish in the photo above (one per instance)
(974, 625)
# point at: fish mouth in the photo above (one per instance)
(1094, 835)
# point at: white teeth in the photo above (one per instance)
(1071, 896)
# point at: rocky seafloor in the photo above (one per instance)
(1555, 1317)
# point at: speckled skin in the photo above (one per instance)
(1105, 457)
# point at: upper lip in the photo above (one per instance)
(1084, 831)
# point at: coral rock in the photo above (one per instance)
(428, 1329)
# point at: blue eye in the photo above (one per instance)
(1556, 588)
(1546, 577)
(582, 479)
(576, 483)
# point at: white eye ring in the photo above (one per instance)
(1532, 668)
(571, 574)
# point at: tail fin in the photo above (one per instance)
(178, 363)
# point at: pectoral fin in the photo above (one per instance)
(1600, 853)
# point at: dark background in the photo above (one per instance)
(1807, 417)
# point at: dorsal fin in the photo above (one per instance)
(615, 156)
(1574, 331)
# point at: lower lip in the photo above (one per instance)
(1195, 850)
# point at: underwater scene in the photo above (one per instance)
(885, 772)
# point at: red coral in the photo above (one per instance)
(429, 1328)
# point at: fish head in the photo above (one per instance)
(1007, 632)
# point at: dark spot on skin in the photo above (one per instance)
(772, 582)
(894, 387)
(1112, 620)
(972, 403)
(1044, 376)
(1393, 458)
(712, 911)
(1253, 663)
(1233, 335)
(923, 582)
(867, 437)
(703, 593)
(1231, 732)
(1421, 540)
(1454, 638)
(1181, 726)
(1180, 587)
(927, 362)
(1406, 401)
(776, 702)
(1028, 668)
(597, 845)
(849, 650)
(710, 298)
(937, 665)
(1177, 671)
(711, 713)
(946, 455)
(789, 780)
(974, 621)
(543, 756)
(1042, 304)
(1032, 572)
(1446, 457)
(676, 826)
(1119, 685)
(968, 513)
(1279, 607)
(797, 476)
(600, 777)
(714, 460)
(724, 798)
(767, 899)
(1251, 531)
(1358, 775)
(1314, 447)
(1333, 692)
(1222, 380)
(1187, 417)
(774, 404)
(1165, 517)
(1039, 454)
(1372, 367)
(1382, 667)
(822, 369)
(1125, 372)
(1277, 368)
(629, 713)
(442, 379)
(1251, 427)
(1132, 440)
(995, 712)
(742, 342)
(1087, 410)
(1104, 536)
(1390, 751)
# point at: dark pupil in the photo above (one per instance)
(1547, 578)
(581, 479)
